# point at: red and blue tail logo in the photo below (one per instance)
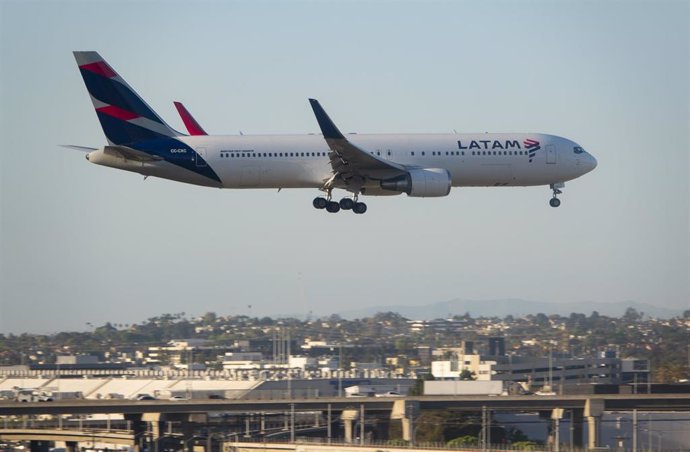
(124, 116)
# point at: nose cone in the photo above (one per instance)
(590, 162)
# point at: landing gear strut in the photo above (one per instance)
(554, 201)
(344, 204)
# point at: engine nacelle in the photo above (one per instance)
(422, 183)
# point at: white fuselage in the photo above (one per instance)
(302, 161)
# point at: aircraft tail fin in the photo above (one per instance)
(190, 123)
(124, 116)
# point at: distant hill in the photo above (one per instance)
(515, 307)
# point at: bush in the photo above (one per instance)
(525, 445)
(461, 441)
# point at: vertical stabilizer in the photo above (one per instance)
(124, 116)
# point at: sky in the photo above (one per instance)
(83, 244)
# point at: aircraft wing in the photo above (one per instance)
(352, 165)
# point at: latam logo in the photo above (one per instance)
(532, 147)
(490, 144)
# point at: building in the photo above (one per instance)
(453, 368)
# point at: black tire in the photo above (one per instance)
(333, 207)
(320, 203)
(359, 208)
(554, 202)
(347, 204)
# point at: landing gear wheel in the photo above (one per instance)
(359, 208)
(320, 203)
(555, 202)
(347, 204)
(333, 207)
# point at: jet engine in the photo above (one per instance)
(421, 183)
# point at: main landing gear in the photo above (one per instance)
(555, 202)
(344, 204)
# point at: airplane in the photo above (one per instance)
(420, 165)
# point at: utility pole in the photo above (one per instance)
(412, 435)
(634, 432)
(329, 432)
(292, 422)
(484, 445)
(340, 371)
(289, 370)
(361, 424)
(649, 431)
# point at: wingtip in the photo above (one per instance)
(328, 127)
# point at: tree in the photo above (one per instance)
(209, 318)
(418, 388)
(632, 315)
(467, 374)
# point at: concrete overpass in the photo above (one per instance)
(154, 413)
(609, 402)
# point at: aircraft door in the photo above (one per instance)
(550, 153)
(200, 157)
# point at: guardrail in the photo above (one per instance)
(389, 445)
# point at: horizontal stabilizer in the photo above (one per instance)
(131, 154)
(78, 148)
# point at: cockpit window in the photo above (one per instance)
(578, 150)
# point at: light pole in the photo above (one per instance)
(340, 371)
